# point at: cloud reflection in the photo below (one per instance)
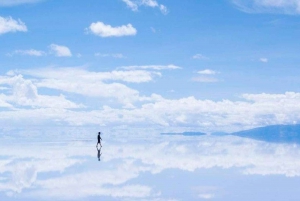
(70, 170)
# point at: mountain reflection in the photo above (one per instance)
(274, 133)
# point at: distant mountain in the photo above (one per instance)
(276, 133)
(185, 133)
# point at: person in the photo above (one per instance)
(99, 140)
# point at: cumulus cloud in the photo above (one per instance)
(25, 93)
(4, 103)
(10, 25)
(269, 6)
(30, 52)
(16, 2)
(60, 51)
(207, 115)
(135, 4)
(94, 84)
(104, 30)
(125, 105)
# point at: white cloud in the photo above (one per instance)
(207, 75)
(16, 2)
(30, 52)
(207, 72)
(124, 105)
(264, 60)
(10, 25)
(78, 74)
(60, 51)
(116, 55)
(93, 84)
(103, 30)
(153, 67)
(163, 9)
(205, 115)
(269, 6)
(135, 4)
(151, 3)
(25, 93)
(200, 56)
(209, 116)
(4, 103)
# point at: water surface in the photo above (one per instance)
(143, 167)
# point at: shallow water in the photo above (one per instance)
(148, 168)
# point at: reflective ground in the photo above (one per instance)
(156, 167)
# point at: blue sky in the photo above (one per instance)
(203, 65)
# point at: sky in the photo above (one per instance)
(207, 66)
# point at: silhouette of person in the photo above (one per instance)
(99, 140)
(99, 153)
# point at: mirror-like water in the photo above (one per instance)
(163, 167)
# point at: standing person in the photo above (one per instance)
(99, 140)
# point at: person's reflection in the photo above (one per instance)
(99, 153)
